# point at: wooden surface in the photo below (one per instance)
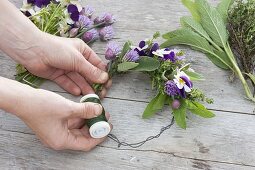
(224, 142)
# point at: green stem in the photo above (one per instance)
(86, 30)
(239, 73)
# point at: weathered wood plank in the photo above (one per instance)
(22, 151)
(226, 138)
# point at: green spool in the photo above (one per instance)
(98, 126)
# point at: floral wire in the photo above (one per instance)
(139, 144)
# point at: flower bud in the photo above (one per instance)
(73, 32)
(176, 104)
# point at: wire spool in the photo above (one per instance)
(98, 126)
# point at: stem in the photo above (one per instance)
(239, 73)
(86, 30)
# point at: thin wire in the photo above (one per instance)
(139, 144)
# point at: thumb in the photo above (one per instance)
(86, 110)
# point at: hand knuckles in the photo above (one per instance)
(56, 145)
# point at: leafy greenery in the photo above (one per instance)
(147, 64)
(180, 114)
(125, 66)
(241, 27)
(206, 32)
(155, 105)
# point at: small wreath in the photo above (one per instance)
(170, 76)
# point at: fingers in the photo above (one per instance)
(75, 123)
(67, 84)
(86, 110)
(81, 83)
(89, 54)
(75, 141)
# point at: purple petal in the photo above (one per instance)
(170, 56)
(155, 47)
(183, 93)
(40, 3)
(72, 8)
(75, 16)
(142, 44)
(187, 81)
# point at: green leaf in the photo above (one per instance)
(180, 115)
(199, 109)
(122, 67)
(227, 63)
(252, 77)
(223, 7)
(178, 32)
(125, 49)
(194, 76)
(155, 105)
(212, 22)
(190, 38)
(190, 4)
(195, 41)
(189, 22)
(147, 64)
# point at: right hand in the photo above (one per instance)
(59, 122)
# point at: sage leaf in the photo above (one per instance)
(199, 109)
(223, 7)
(122, 67)
(195, 41)
(190, 4)
(147, 64)
(212, 22)
(178, 32)
(189, 22)
(190, 38)
(155, 105)
(180, 115)
(194, 76)
(125, 49)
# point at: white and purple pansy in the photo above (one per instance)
(183, 83)
(141, 48)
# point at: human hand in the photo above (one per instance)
(59, 122)
(71, 63)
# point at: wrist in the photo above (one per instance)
(14, 96)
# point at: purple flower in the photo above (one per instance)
(112, 51)
(90, 36)
(73, 32)
(154, 48)
(106, 33)
(170, 56)
(183, 83)
(106, 18)
(73, 11)
(174, 55)
(171, 89)
(40, 3)
(141, 48)
(87, 11)
(132, 56)
(84, 22)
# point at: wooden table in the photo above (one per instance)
(224, 142)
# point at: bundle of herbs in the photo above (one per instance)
(241, 27)
(206, 31)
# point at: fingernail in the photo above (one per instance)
(104, 77)
(98, 109)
